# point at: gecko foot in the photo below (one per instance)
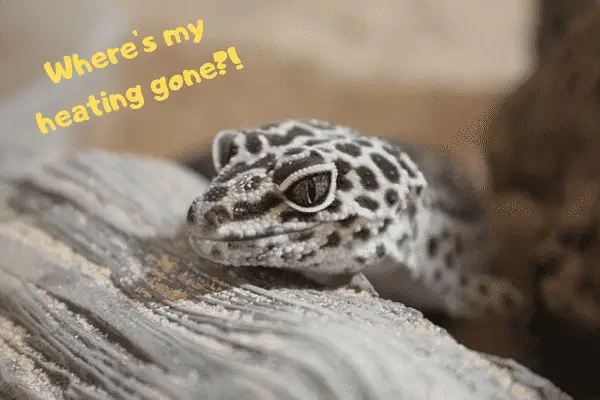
(357, 282)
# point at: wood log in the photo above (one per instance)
(100, 298)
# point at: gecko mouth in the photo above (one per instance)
(237, 239)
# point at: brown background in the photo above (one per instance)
(423, 71)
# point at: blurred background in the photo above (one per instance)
(449, 74)
(421, 70)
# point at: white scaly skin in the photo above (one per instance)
(328, 202)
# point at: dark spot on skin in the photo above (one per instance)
(304, 236)
(389, 170)
(315, 142)
(335, 206)
(285, 139)
(391, 197)
(315, 154)
(293, 150)
(344, 184)
(348, 221)
(391, 150)
(215, 193)
(253, 184)
(385, 226)
(349, 148)
(343, 167)
(243, 210)
(419, 190)
(463, 280)
(459, 245)
(253, 143)
(437, 275)
(363, 234)
(363, 142)
(484, 290)
(367, 178)
(306, 256)
(367, 202)
(400, 242)
(360, 260)
(298, 131)
(408, 169)
(380, 250)
(291, 215)
(333, 240)
(289, 167)
(432, 247)
(216, 215)
(450, 260)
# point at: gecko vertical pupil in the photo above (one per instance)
(310, 191)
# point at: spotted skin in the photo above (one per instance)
(331, 203)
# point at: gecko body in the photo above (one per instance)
(331, 203)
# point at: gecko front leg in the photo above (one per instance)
(354, 281)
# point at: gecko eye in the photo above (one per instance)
(307, 183)
(223, 148)
(310, 191)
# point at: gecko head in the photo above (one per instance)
(298, 195)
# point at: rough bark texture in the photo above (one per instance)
(98, 299)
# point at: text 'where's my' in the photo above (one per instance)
(75, 65)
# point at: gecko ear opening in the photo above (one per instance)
(223, 148)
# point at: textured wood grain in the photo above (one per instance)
(99, 299)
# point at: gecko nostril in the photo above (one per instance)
(191, 215)
(216, 216)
